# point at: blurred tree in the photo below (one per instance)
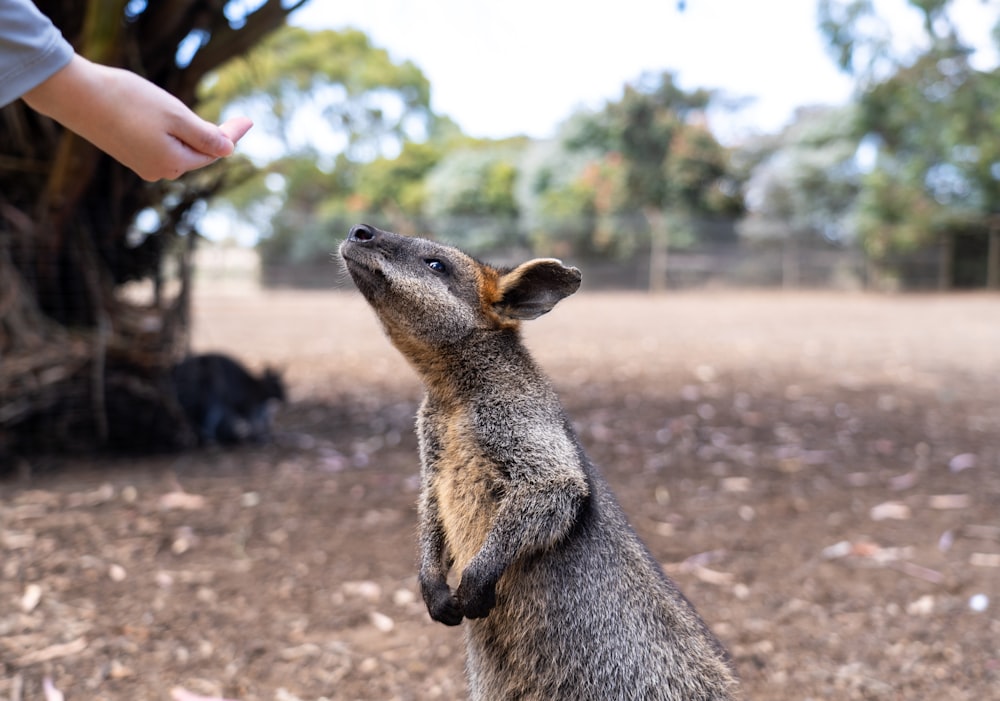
(804, 184)
(470, 194)
(341, 131)
(75, 225)
(569, 197)
(395, 188)
(934, 122)
(324, 92)
(674, 168)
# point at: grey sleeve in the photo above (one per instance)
(32, 49)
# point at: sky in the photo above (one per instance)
(505, 67)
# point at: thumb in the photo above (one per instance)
(235, 128)
(205, 137)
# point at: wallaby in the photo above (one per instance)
(223, 402)
(564, 601)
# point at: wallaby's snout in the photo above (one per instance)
(362, 233)
(363, 255)
(421, 290)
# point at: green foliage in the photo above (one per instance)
(667, 161)
(395, 162)
(698, 175)
(935, 121)
(342, 120)
(295, 232)
(806, 179)
(644, 126)
(337, 78)
(470, 196)
(571, 194)
(397, 183)
(854, 37)
(893, 216)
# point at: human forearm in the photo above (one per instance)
(133, 120)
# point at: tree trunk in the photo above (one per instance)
(81, 367)
(946, 263)
(993, 257)
(790, 262)
(659, 248)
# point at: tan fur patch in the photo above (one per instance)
(464, 488)
(491, 291)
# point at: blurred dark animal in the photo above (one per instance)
(562, 600)
(223, 401)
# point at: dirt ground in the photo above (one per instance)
(819, 472)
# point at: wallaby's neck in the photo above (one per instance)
(478, 362)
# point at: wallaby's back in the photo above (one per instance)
(562, 599)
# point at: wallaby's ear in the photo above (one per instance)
(533, 288)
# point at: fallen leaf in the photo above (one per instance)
(964, 461)
(890, 510)
(918, 571)
(98, 496)
(382, 622)
(985, 559)
(865, 548)
(306, 650)
(903, 481)
(52, 652)
(736, 484)
(181, 500)
(181, 694)
(837, 550)
(710, 576)
(50, 690)
(32, 595)
(184, 540)
(403, 597)
(924, 606)
(364, 589)
(119, 670)
(949, 501)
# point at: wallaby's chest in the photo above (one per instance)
(465, 482)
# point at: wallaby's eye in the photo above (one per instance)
(436, 265)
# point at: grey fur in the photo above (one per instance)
(562, 601)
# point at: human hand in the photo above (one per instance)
(136, 122)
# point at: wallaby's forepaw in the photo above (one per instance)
(476, 596)
(441, 605)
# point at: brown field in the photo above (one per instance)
(819, 472)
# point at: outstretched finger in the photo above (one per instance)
(203, 137)
(236, 127)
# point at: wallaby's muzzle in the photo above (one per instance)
(361, 256)
(362, 233)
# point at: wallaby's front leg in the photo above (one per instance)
(435, 561)
(532, 517)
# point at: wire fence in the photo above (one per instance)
(617, 254)
(719, 266)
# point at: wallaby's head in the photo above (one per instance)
(431, 295)
(271, 385)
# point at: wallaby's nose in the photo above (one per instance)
(362, 233)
